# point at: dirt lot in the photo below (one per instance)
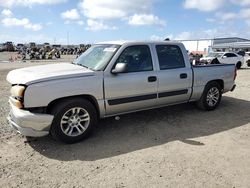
(178, 146)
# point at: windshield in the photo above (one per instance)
(97, 57)
(214, 54)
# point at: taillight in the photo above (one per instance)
(235, 73)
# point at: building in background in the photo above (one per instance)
(204, 46)
(243, 44)
(199, 46)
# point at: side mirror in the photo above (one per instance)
(224, 57)
(120, 68)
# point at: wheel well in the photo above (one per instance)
(220, 82)
(87, 97)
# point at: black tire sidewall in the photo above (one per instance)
(60, 109)
(248, 63)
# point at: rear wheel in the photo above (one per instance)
(248, 63)
(238, 65)
(74, 120)
(211, 97)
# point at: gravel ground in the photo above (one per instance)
(177, 146)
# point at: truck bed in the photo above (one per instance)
(202, 74)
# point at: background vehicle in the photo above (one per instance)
(32, 45)
(109, 79)
(19, 47)
(8, 46)
(247, 58)
(223, 57)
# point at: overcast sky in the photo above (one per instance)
(89, 21)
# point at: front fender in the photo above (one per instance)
(41, 94)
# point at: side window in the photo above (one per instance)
(170, 57)
(138, 58)
(232, 55)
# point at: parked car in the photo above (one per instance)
(247, 58)
(224, 57)
(110, 79)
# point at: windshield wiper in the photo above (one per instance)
(85, 66)
(82, 65)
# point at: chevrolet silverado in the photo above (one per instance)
(66, 100)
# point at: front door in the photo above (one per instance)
(136, 88)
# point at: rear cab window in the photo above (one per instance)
(170, 57)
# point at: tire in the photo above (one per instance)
(238, 65)
(215, 61)
(248, 63)
(211, 92)
(74, 120)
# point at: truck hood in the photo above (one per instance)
(46, 73)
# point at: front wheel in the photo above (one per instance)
(211, 97)
(73, 121)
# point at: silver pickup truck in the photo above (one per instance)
(112, 78)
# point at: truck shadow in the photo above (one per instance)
(148, 129)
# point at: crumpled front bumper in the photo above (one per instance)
(29, 124)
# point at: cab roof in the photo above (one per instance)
(122, 42)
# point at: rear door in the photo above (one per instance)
(137, 88)
(175, 79)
